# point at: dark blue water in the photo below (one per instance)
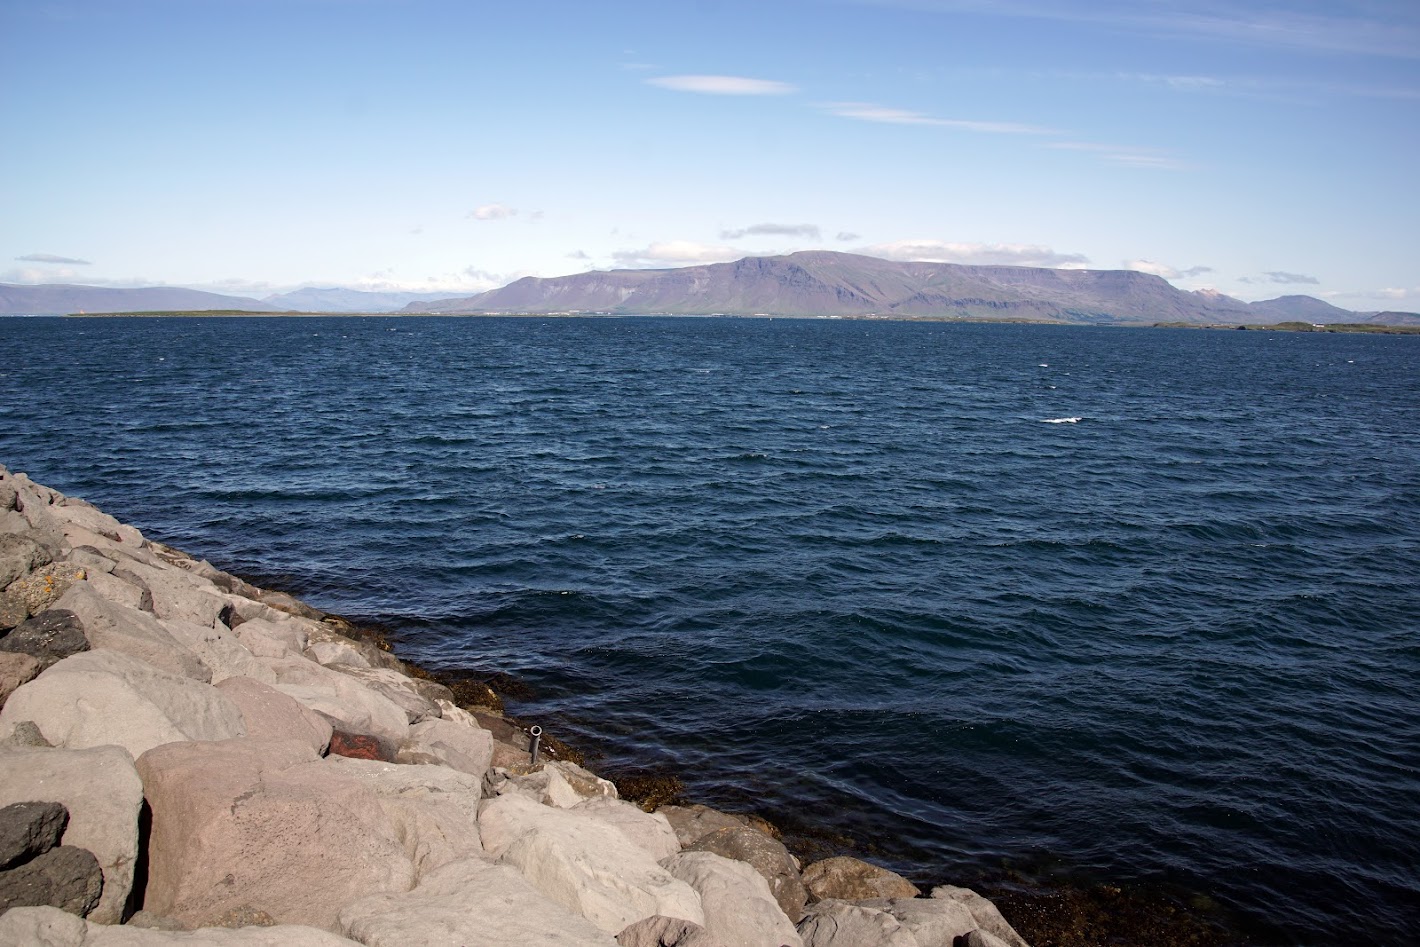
(848, 573)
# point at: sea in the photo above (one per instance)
(1138, 606)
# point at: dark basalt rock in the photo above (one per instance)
(66, 877)
(28, 829)
(50, 637)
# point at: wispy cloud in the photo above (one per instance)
(1164, 270)
(1125, 155)
(722, 85)
(979, 254)
(807, 231)
(845, 236)
(1388, 28)
(676, 253)
(493, 212)
(1281, 276)
(868, 112)
(52, 258)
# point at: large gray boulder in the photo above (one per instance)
(835, 923)
(987, 917)
(468, 903)
(350, 705)
(693, 822)
(852, 879)
(935, 922)
(739, 909)
(178, 594)
(19, 554)
(649, 830)
(434, 809)
(269, 714)
(274, 637)
(244, 824)
(104, 697)
(219, 648)
(50, 927)
(585, 865)
(464, 748)
(767, 856)
(103, 795)
(980, 938)
(116, 628)
(15, 670)
(395, 687)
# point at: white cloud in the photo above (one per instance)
(1164, 270)
(52, 258)
(722, 85)
(676, 253)
(868, 112)
(493, 212)
(846, 236)
(808, 231)
(1125, 155)
(979, 254)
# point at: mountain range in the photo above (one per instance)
(809, 283)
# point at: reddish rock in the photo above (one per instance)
(359, 746)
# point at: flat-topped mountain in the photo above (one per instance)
(823, 283)
(62, 298)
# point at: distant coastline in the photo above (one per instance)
(1342, 327)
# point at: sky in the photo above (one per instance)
(257, 146)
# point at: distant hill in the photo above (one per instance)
(338, 299)
(62, 298)
(1392, 318)
(822, 283)
(1299, 309)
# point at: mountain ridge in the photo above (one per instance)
(828, 283)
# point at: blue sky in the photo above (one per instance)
(1259, 148)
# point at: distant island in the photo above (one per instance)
(814, 284)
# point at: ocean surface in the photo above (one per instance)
(1135, 605)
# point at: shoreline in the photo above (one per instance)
(1050, 916)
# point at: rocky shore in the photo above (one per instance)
(186, 758)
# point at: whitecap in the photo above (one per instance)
(1061, 420)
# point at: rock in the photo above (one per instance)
(19, 554)
(28, 829)
(350, 705)
(850, 879)
(394, 687)
(93, 560)
(179, 595)
(834, 923)
(271, 639)
(648, 830)
(269, 714)
(44, 586)
(451, 744)
(288, 604)
(360, 746)
(661, 931)
(116, 588)
(980, 938)
(102, 697)
(12, 612)
(739, 909)
(935, 922)
(582, 864)
(987, 917)
(441, 912)
(16, 669)
(332, 653)
(434, 809)
(49, 637)
(768, 856)
(263, 823)
(544, 784)
(693, 822)
(116, 628)
(25, 733)
(103, 795)
(220, 649)
(67, 877)
(147, 920)
(49, 927)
